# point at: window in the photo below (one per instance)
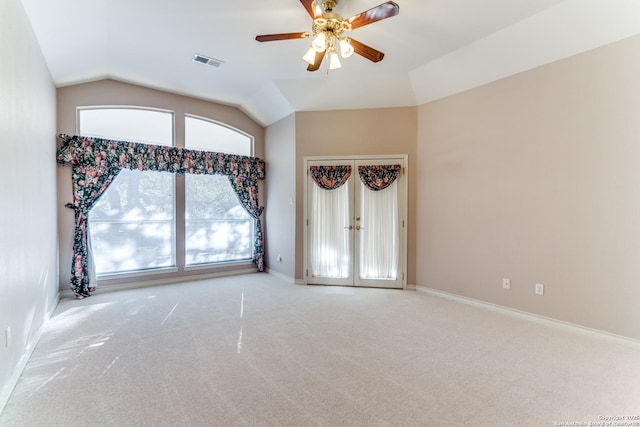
(134, 226)
(217, 227)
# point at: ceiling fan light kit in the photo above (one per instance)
(328, 29)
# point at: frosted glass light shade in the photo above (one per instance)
(319, 44)
(310, 56)
(334, 61)
(345, 48)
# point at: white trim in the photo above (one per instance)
(357, 157)
(280, 275)
(138, 273)
(547, 321)
(165, 281)
(26, 356)
(239, 263)
(410, 287)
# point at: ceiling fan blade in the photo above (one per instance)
(312, 8)
(383, 11)
(366, 51)
(316, 65)
(283, 36)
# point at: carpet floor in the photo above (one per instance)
(256, 350)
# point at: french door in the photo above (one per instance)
(355, 220)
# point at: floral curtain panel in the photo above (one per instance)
(96, 162)
(246, 188)
(88, 184)
(379, 177)
(330, 177)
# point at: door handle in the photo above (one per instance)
(359, 228)
(349, 228)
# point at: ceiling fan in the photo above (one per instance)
(328, 33)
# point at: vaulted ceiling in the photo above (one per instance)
(433, 48)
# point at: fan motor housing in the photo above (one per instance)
(329, 5)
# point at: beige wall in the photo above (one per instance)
(280, 208)
(28, 257)
(356, 132)
(111, 92)
(536, 178)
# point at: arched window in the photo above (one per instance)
(217, 227)
(132, 226)
(137, 223)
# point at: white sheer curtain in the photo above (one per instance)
(330, 251)
(379, 236)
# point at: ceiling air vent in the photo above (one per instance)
(206, 60)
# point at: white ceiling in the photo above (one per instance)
(433, 48)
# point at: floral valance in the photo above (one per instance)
(379, 177)
(96, 162)
(100, 153)
(330, 177)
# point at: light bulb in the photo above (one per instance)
(345, 48)
(320, 43)
(334, 61)
(310, 56)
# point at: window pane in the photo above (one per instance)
(217, 227)
(132, 226)
(127, 124)
(210, 136)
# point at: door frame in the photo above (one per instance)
(403, 203)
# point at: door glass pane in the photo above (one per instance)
(329, 220)
(379, 235)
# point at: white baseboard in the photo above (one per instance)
(280, 275)
(618, 339)
(301, 282)
(28, 351)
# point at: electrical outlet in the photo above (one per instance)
(539, 289)
(7, 337)
(506, 283)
